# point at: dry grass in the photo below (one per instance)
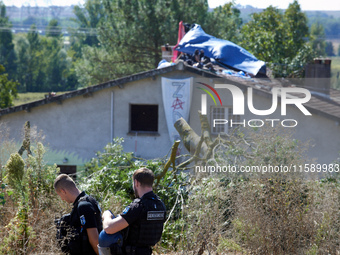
(40, 219)
(287, 217)
(230, 215)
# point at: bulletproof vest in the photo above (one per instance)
(148, 230)
(96, 207)
(79, 243)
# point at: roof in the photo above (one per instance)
(320, 104)
(327, 106)
(88, 91)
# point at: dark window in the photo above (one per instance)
(68, 169)
(143, 118)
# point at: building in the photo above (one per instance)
(77, 124)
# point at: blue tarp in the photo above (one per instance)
(223, 51)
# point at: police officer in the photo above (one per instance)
(142, 221)
(85, 218)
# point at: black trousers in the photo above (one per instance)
(134, 250)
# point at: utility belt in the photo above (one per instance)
(133, 250)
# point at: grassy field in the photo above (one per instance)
(24, 98)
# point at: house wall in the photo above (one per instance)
(321, 133)
(81, 126)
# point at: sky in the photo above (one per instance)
(306, 5)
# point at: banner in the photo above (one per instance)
(177, 100)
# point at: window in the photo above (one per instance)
(225, 114)
(234, 118)
(68, 169)
(143, 118)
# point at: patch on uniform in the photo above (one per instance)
(155, 215)
(126, 210)
(82, 220)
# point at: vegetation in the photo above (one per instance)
(278, 39)
(335, 73)
(44, 64)
(331, 23)
(251, 212)
(131, 35)
(7, 52)
(26, 197)
(8, 89)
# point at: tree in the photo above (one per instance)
(89, 17)
(44, 65)
(131, 35)
(35, 77)
(296, 24)
(225, 23)
(56, 66)
(8, 89)
(53, 29)
(31, 62)
(7, 53)
(328, 21)
(22, 50)
(265, 35)
(318, 39)
(279, 39)
(329, 49)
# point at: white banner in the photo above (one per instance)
(177, 100)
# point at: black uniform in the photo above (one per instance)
(85, 214)
(145, 216)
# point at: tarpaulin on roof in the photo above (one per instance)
(223, 51)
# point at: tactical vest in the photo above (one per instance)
(79, 243)
(148, 230)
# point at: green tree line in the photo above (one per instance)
(115, 38)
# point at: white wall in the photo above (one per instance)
(82, 126)
(323, 134)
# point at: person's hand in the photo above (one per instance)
(107, 214)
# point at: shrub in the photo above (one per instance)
(274, 216)
(108, 177)
(28, 202)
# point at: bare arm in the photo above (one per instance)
(111, 226)
(93, 236)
